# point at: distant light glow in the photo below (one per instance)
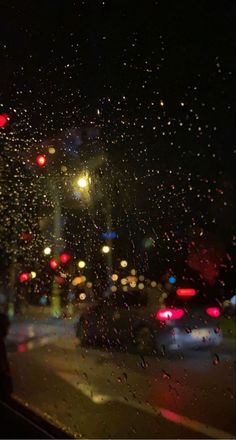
(47, 251)
(124, 263)
(76, 281)
(41, 160)
(33, 274)
(82, 296)
(214, 312)
(23, 277)
(114, 277)
(172, 280)
(113, 288)
(82, 182)
(169, 314)
(123, 281)
(141, 286)
(133, 284)
(52, 150)
(81, 264)
(153, 283)
(4, 118)
(53, 263)
(106, 249)
(133, 271)
(65, 257)
(186, 292)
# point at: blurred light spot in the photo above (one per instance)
(124, 263)
(133, 271)
(141, 286)
(82, 296)
(113, 288)
(51, 150)
(123, 281)
(153, 284)
(106, 249)
(81, 264)
(33, 274)
(47, 251)
(114, 277)
(172, 280)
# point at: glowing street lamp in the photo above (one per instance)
(82, 182)
(81, 264)
(106, 249)
(47, 250)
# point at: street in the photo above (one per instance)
(94, 393)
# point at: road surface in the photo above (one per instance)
(95, 393)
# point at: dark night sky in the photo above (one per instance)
(157, 76)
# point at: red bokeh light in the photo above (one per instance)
(41, 160)
(65, 258)
(4, 118)
(186, 292)
(25, 236)
(214, 312)
(23, 277)
(53, 263)
(169, 314)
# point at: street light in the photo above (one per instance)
(106, 249)
(47, 251)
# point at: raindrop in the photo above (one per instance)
(165, 375)
(216, 359)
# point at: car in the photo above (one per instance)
(152, 321)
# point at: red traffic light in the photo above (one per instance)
(53, 263)
(4, 118)
(65, 258)
(41, 160)
(23, 277)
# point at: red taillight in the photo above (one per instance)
(186, 292)
(214, 312)
(169, 314)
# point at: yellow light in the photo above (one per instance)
(81, 264)
(63, 168)
(33, 274)
(141, 278)
(82, 296)
(47, 251)
(133, 271)
(124, 263)
(89, 284)
(51, 150)
(76, 281)
(153, 283)
(113, 288)
(114, 277)
(141, 286)
(133, 284)
(162, 102)
(82, 182)
(125, 289)
(106, 249)
(123, 281)
(83, 279)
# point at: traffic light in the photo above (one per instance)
(65, 258)
(24, 276)
(53, 263)
(41, 160)
(4, 118)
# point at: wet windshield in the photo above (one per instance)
(117, 216)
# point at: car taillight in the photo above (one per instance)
(186, 292)
(169, 314)
(214, 312)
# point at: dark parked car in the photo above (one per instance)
(184, 319)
